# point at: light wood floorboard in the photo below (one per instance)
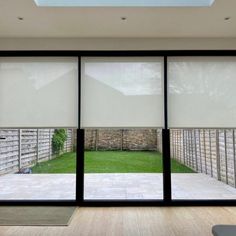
(134, 221)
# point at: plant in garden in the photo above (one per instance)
(58, 139)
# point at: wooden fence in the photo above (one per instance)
(209, 151)
(25, 147)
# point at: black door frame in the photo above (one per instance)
(167, 199)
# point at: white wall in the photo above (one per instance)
(116, 43)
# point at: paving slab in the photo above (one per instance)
(112, 186)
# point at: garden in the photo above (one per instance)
(110, 162)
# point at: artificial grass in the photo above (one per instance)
(110, 162)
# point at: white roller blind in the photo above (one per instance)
(202, 92)
(122, 92)
(38, 92)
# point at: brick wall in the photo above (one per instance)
(122, 139)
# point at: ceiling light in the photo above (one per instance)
(124, 3)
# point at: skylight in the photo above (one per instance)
(124, 3)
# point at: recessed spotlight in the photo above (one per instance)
(227, 18)
(123, 18)
(20, 18)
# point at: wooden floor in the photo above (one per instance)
(135, 221)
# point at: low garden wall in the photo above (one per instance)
(122, 139)
(25, 147)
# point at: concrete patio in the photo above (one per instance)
(112, 186)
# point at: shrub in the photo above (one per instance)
(58, 139)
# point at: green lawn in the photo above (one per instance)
(110, 162)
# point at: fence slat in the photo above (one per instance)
(200, 149)
(19, 155)
(204, 148)
(233, 139)
(196, 156)
(226, 159)
(210, 152)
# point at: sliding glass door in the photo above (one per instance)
(202, 121)
(134, 126)
(122, 114)
(38, 121)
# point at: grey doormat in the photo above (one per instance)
(224, 230)
(36, 216)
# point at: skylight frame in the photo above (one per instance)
(124, 3)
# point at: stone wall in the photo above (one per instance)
(122, 139)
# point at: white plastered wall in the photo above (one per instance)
(117, 43)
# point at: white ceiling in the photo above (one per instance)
(106, 22)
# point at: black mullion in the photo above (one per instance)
(79, 147)
(166, 141)
(80, 167)
(117, 53)
(159, 203)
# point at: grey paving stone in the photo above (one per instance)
(112, 186)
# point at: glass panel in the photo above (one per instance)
(37, 164)
(122, 92)
(38, 92)
(122, 102)
(208, 157)
(202, 99)
(123, 164)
